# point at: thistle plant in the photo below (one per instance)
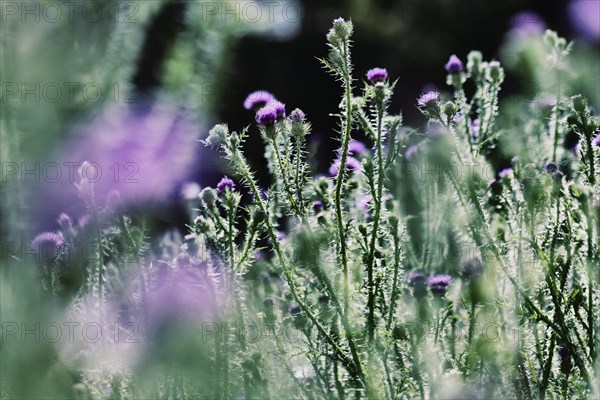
(421, 267)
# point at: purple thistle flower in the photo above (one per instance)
(356, 148)
(225, 184)
(377, 75)
(426, 98)
(454, 64)
(266, 116)
(317, 206)
(505, 172)
(48, 245)
(279, 108)
(551, 167)
(64, 221)
(339, 20)
(438, 284)
(596, 139)
(258, 99)
(297, 116)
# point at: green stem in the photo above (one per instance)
(374, 233)
(340, 181)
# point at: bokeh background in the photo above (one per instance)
(202, 58)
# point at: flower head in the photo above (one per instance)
(317, 206)
(377, 75)
(279, 108)
(258, 99)
(225, 184)
(352, 164)
(471, 268)
(417, 280)
(596, 139)
(266, 116)
(454, 64)
(426, 98)
(551, 167)
(48, 245)
(356, 148)
(438, 284)
(297, 116)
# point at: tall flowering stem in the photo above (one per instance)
(380, 101)
(339, 64)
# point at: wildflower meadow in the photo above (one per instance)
(448, 248)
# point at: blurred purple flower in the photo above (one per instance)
(596, 139)
(352, 164)
(258, 99)
(356, 148)
(438, 283)
(65, 221)
(190, 191)
(141, 152)
(48, 246)
(505, 172)
(528, 23)
(181, 293)
(475, 127)
(364, 202)
(585, 18)
(377, 75)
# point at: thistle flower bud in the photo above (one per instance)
(217, 136)
(579, 103)
(495, 72)
(342, 29)
(449, 109)
(208, 196)
(417, 280)
(474, 59)
(399, 332)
